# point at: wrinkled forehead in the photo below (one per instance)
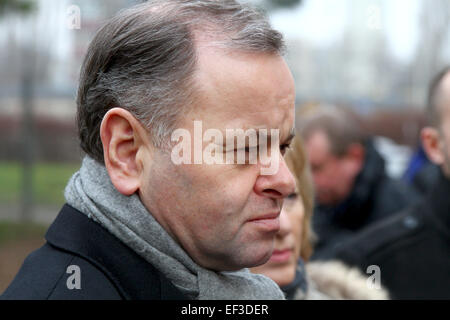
(245, 90)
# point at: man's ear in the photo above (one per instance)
(123, 137)
(432, 145)
(356, 153)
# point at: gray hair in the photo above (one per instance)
(143, 60)
(341, 126)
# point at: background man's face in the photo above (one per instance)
(333, 176)
(444, 139)
(208, 208)
(444, 132)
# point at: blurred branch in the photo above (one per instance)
(27, 71)
(28, 143)
(16, 6)
(284, 3)
(434, 31)
(272, 5)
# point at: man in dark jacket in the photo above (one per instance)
(412, 248)
(352, 187)
(144, 219)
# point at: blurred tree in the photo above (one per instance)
(27, 92)
(434, 27)
(17, 6)
(271, 5)
(285, 3)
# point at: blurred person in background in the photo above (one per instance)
(421, 174)
(412, 248)
(136, 224)
(352, 188)
(289, 264)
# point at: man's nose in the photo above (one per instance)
(278, 185)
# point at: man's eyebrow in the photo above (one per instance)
(268, 135)
(288, 140)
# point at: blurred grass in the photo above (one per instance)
(49, 181)
(13, 231)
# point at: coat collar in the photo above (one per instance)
(439, 200)
(133, 276)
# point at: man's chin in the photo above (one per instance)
(260, 259)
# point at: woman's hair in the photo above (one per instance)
(297, 162)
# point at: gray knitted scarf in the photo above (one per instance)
(90, 191)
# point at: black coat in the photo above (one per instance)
(108, 268)
(374, 197)
(412, 248)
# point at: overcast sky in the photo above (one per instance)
(321, 22)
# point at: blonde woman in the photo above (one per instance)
(289, 266)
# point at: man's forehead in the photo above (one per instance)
(247, 92)
(229, 70)
(318, 142)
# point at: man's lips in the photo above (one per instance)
(270, 221)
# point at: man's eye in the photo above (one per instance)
(284, 148)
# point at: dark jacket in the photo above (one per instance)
(412, 248)
(421, 173)
(108, 268)
(425, 178)
(374, 197)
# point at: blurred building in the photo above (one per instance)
(349, 51)
(46, 46)
(357, 68)
(42, 56)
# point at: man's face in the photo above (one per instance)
(444, 140)
(436, 139)
(214, 211)
(333, 176)
(444, 131)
